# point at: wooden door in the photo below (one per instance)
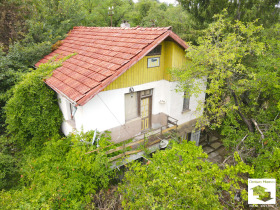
(145, 113)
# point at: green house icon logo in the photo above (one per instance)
(260, 191)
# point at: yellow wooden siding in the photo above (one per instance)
(168, 55)
(172, 55)
(178, 56)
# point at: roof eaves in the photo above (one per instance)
(61, 93)
(178, 39)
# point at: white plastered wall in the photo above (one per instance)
(176, 104)
(64, 106)
(107, 109)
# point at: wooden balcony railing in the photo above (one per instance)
(142, 142)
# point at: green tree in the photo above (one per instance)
(236, 82)
(203, 10)
(239, 64)
(161, 15)
(181, 178)
(12, 23)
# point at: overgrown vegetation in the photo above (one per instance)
(241, 64)
(236, 54)
(32, 112)
(63, 176)
(181, 178)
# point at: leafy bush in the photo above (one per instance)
(62, 177)
(9, 164)
(32, 112)
(8, 170)
(181, 178)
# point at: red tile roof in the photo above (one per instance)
(103, 54)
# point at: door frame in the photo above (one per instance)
(150, 98)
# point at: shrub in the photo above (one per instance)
(32, 112)
(181, 178)
(62, 177)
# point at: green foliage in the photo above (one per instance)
(161, 15)
(8, 164)
(63, 176)
(51, 19)
(12, 22)
(15, 63)
(234, 60)
(180, 178)
(267, 163)
(8, 170)
(25, 56)
(32, 112)
(202, 11)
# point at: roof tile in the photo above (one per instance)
(97, 77)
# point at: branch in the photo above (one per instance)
(247, 122)
(241, 141)
(226, 159)
(236, 150)
(255, 123)
(276, 116)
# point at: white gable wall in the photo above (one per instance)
(107, 109)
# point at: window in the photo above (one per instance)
(146, 93)
(186, 102)
(153, 62)
(155, 51)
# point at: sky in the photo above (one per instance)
(166, 1)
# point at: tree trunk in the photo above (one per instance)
(238, 13)
(245, 120)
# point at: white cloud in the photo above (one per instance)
(166, 1)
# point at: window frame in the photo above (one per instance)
(186, 102)
(152, 61)
(155, 51)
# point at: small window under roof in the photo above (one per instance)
(155, 51)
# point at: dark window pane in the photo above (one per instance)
(186, 103)
(155, 51)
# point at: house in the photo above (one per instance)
(119, 80)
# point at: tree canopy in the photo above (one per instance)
(181, 178)
(231, 57)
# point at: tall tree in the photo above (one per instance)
(202, 11)
(244, 10)
(12, 24)
(228, 56)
